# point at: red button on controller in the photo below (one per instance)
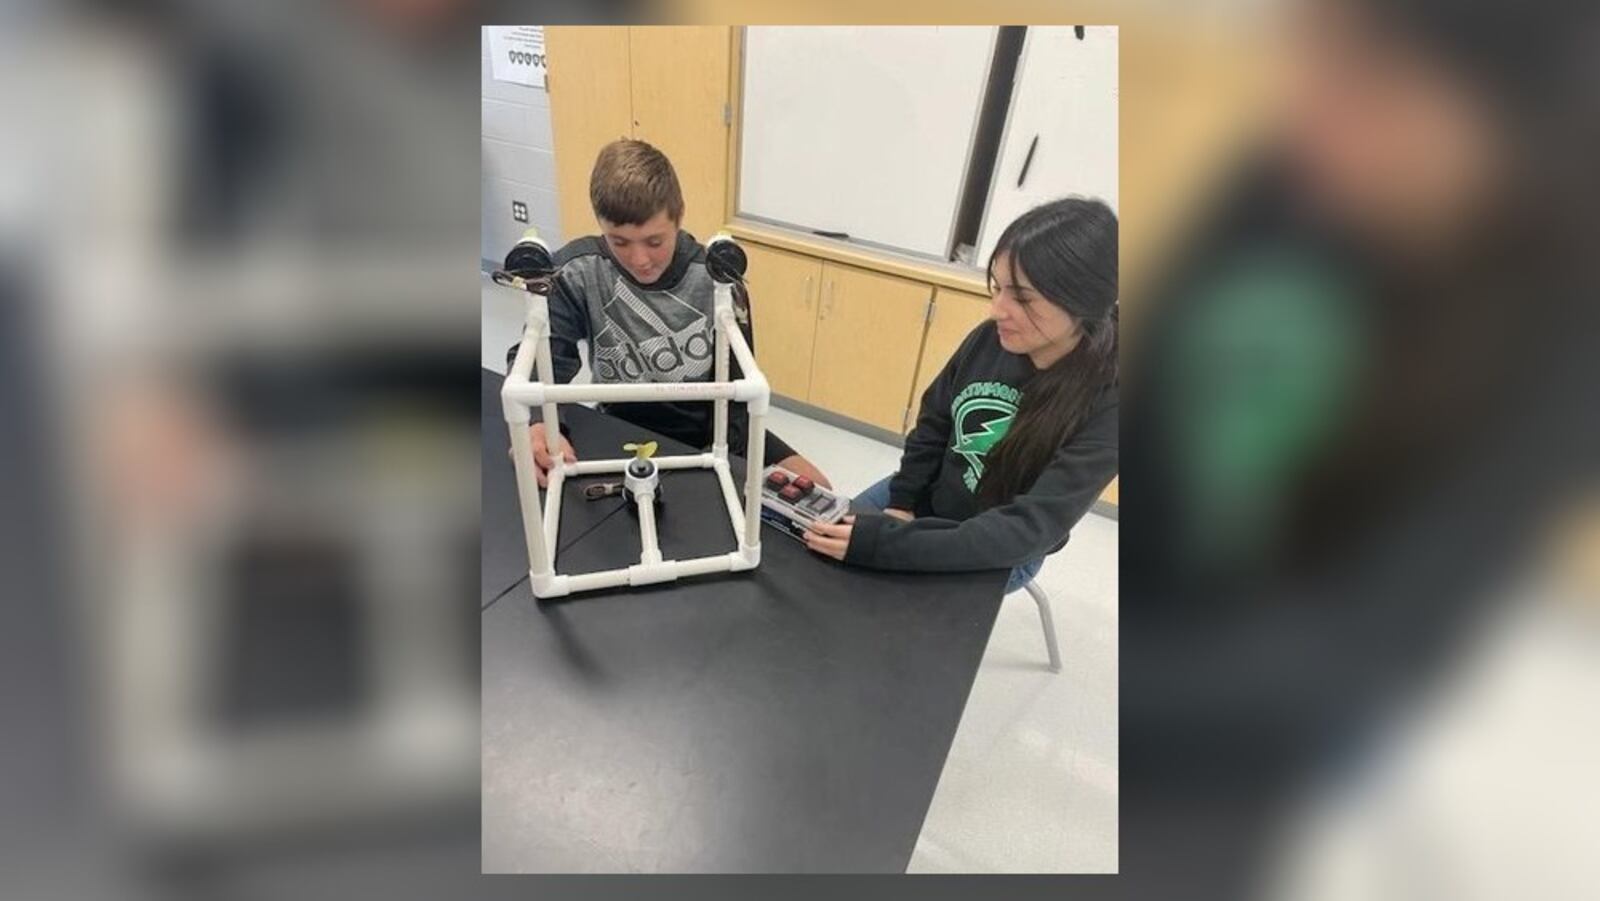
(791, 494)
(804, 484)
(777, 480)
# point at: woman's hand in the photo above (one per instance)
(833, 539)
(830, 539)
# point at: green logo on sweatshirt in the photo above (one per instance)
(981, 414)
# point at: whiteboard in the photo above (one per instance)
(1066, 95)
(863, 130)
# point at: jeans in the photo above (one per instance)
(877, 498)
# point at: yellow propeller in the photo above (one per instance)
(641, 451)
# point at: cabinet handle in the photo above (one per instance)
(827, 303)
(805, 294)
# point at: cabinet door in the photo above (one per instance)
(590, 104)
(869, 335)
(955, 315)
(680, 89)
(783, 307)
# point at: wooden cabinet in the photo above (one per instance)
(869, 335)
(955, 315)
(783, 307)
(667, 86)
(681, 105)
(590, 106)
(837, 337)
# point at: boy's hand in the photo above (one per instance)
(541, 453)
(800, 466)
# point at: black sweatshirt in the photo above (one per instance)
(662, 332)
(964, 413)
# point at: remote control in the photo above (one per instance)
(789, 501)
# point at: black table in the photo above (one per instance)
(791, 719)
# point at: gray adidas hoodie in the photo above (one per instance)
(660, 332)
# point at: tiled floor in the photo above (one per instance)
(1031, 782)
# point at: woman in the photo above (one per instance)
(1017, 436)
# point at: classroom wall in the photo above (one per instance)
(518, 164)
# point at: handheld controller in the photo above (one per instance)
(789, 502)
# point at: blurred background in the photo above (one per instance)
(239, 261)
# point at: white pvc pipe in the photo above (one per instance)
(552, 511)
(522, 365)
(642, 574)
(700, 566)
(741, 350)
(686, 461)
(730, 496)
(752, 483)
(672, 570)
(609, 392)
(594, 467)
(552, 423)
(611, 578)
(535, 325)
(719, 433)
(757, 440)
(541, 523)
(539, 559)
(650, 551)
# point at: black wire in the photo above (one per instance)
(623, 505)
(496, 598)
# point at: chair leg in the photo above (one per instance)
(1049, 623)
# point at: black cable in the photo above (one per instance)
(493, 600)
(623, 505)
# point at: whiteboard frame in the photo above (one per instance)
(966, 164)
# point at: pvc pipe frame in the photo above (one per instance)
(521, 393)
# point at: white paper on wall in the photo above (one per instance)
(516, 54)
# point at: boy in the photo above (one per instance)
(641, 296)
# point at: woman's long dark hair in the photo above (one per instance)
(1068, 250)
